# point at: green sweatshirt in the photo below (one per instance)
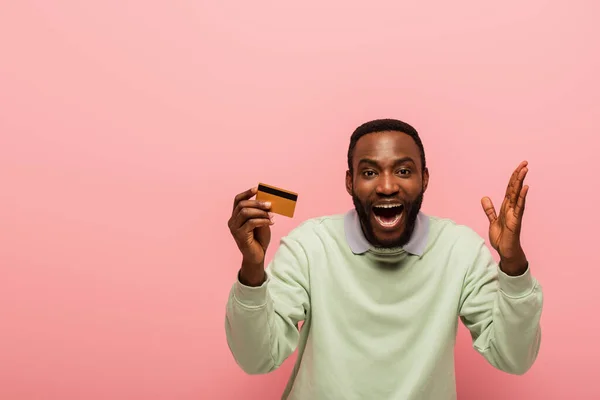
(381, 323)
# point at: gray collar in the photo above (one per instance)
(359, 244)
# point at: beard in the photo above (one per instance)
(411, 211)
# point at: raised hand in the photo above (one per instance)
(505, 227)
(250, 227)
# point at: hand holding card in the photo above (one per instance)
(250, 223)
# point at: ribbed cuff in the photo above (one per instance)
(516, 286)
(251, 296)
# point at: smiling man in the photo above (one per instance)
(388, 182)
(381, 288)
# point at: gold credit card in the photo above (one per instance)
(283, 202)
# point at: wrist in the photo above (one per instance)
(252, 274)
(514, 266)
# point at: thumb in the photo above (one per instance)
(488, 208)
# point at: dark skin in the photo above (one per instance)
(394, 171)
(505, 226)
(386, 166)
(249, 225)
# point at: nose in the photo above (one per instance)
(387, 185)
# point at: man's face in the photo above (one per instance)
(387, 186)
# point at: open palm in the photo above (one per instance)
(505, 226)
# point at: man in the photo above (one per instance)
(381, 288)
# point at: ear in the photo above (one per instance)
(425, 179)
(349, 182)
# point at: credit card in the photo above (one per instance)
(283, 201)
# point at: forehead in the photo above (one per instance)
(386, 146)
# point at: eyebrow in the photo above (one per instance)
(373, 162)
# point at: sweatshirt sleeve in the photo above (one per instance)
(261, 323)
(502, 313)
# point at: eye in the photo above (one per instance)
(404, 171)
(368, 173)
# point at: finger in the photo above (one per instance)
(254, 223)
(259, 205)
(520, 207)
(510, 184)
(248, 213)
(513, 179)
(518, 186)
(488, 208)
(244, 196)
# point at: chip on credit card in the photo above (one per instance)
(283, 201)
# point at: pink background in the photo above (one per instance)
(127, 127)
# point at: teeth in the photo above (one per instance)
(388, 205)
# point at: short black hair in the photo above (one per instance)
(383, 125)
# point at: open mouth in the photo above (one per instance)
(388, 215)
